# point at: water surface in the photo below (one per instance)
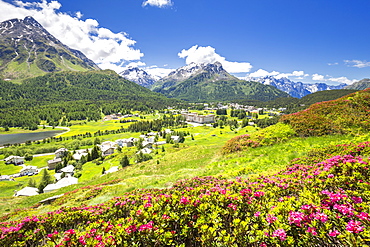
(23, 137)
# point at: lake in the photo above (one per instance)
(23, 137)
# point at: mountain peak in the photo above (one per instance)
(138, 76)
(29, 45)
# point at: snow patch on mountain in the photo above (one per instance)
(296, 89)
(138, 76)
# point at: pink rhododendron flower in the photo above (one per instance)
(334, 233)
(232, 206)
(271, 218)
(257, 214)
(354, 226)
(184, 200)
(296, 218)
(312, 230)
(280, 233)
(259, 194)
(363, 216)
(321, 216)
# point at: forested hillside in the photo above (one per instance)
(73, 96)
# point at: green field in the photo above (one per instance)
(199, 157)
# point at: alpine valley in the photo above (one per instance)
(198, 158)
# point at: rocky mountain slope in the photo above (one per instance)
(360, 85)
(27, 49)
(210, 82)
(138, 76)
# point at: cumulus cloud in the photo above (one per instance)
(322, 78)
(263, 73)
(158, 72)
(317, 77)
(357, 63)
(300, 74)
(104, 47)
(158, 3)
(199, 54)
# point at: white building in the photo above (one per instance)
(27, 191)
(16, 160)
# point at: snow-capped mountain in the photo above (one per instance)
(296, 89)
(138, 76)
(213, 72)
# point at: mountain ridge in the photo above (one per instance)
(27, 50)
(211, 82)
(296, 89)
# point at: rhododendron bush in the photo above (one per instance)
(344, 115)
(307, 204)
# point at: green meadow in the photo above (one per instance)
(199, 157)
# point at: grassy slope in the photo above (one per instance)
(200, 157)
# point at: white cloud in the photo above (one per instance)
(101, 45)
(342, 80)
(158, 3)
(357, 63)
(331, 64)
(263, 73)
(199, 54)
(158, 72)
(322, 78)
(317, 77)
(295, 73)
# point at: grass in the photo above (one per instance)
(22, 131)
(198, 157)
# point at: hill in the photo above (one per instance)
(74, 96)
(210, 82)
(344, 115)
(27, 50)
(359, 85)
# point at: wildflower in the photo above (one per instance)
(271, 218)
(330, 175)
(295, 217)
(257, 214)
(363, 216)
(356, 199)
(259, 194)
(184, 200)
(334, 233)
(354, 226)
(280, 233)
(321, 216)
(232, 206)
(312, 230)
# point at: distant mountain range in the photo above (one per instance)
(210, 82)
(28, 50)
(296, 89)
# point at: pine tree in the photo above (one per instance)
(45, 180)
(125, 161)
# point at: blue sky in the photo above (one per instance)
(308, 41)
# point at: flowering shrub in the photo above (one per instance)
(273, 134)
(344, 115)
(307, 204)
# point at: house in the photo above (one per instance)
(16, 160)
(175, 139)
(112, 169)
(202, 119)
(126, 142)
(53, 163)
(61, 152)
(147, 144)
(5, 178)
(66, 181)
(79, 154)
(68, 170)
(160, 143)
(145, 151)
(28, 170)
(107, 148)
(27, 191)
